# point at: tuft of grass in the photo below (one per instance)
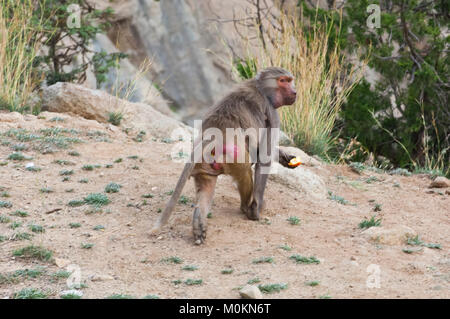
(115, 117)
(5, 204)
(19, 213)
(21, 236)
(17, 156)
(400, 171)
(193, 282)
(190, 268)
(119, 160)
(87, 245)
(293, 220)
(62, 274)
(37, 228)
(88, 167)
(147, 196)
(254, 281)
(4, 219)
(99, 227)
(70, 296)
(15, 225)
(97, 199)
(172, 260)
(416, 241)
(271, 288)
(83, 181)
(66, 172)
(372, 222)
(262, 260)
(112, 188)
(228, 271)
(357, 167)
(304, 260)
(4, 194)
(341, 200)
(286, 248)
(46, 190)
(312, 283)
(74, 225)
(34, 252)
(183, 200)
(30, 293)
(76, 203)
(74, 153)
(63, 162)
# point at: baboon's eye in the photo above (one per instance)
(282, 80)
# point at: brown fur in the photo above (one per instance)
(252, 104)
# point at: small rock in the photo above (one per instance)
(29, 165)
(393, 236)
(440, 182)
(101, 278)
(250, 292)
(62, 263)
(72, 292)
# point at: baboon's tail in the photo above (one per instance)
(175, 196)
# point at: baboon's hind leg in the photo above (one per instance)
(205, 185)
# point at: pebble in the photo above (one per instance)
(250, 292)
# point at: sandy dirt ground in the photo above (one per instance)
(124, 259)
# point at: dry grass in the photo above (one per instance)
(17, 51)
(322, 81)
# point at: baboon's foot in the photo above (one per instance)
(199, 227)
(253, 211)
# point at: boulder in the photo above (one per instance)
(440, 182)
(389, 236)
(300, 178)
(96, 105)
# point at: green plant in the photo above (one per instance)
(304, 260)
(5, 204)
(112, 188)
(293, 220)
(88, 167)
(36, 252)
(312, 283)
(19, 213)
(337, 198)
(190, 268)
(115, 117)
(263, 260)
(30, 293)
(271, 288)
(372, 222)
(253, 281)
(173, 260)
(228, 271)
(87, 245)
(192, 282)
(76, 203)
(74, 225)
(37, 228)
(97, 199)
(120, 296)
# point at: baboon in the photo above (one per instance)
(252, 104)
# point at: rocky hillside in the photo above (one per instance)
(79, 195)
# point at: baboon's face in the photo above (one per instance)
(286, 90)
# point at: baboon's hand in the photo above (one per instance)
(285, 159)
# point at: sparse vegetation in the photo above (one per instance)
(263, 260)
(172, 260)
(97, 199)
(34, 252)
(190, 268)
(115, 117)
(30, 293)
(271, 288)
(193, 282)
(293, 220)
(112, 188)
(304, 260)
(372, 222)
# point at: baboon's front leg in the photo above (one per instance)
(205, 185)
